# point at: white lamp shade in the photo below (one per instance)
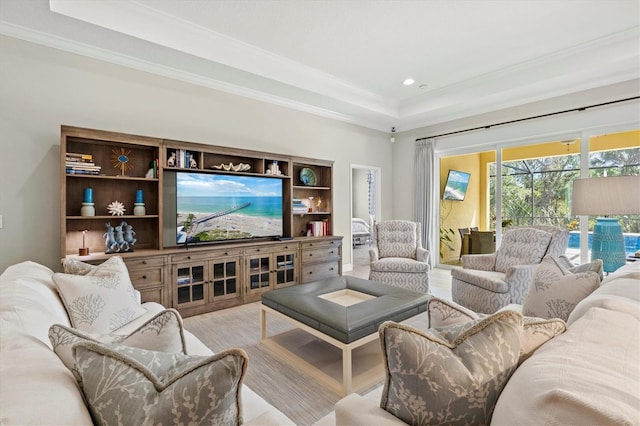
(606, 196)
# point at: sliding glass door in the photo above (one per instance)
(531, 184)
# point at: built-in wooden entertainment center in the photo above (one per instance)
(202, 277)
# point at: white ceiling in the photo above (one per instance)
(346, 59)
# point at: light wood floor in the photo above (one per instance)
(295, 392)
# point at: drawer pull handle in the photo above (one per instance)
(310, 254)
(226, 253)
(189, 257)
(331, 269)
(331, 252)
(144, 277)
(310, 272)
(144, 262)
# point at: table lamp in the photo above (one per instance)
(605, 197)
(84, 250)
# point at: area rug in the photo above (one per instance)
(292, 391)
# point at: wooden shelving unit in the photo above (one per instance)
(219, 275)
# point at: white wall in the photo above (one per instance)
(42, 88)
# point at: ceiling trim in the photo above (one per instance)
(72, 46)
(149, 24)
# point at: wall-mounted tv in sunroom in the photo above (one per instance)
(456, 187)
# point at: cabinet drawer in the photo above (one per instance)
(320, 271)
(320, 244)
(144, 262)
(152, 294)
(320, 255)
(207, 255)
(252, 251)
(145, 277)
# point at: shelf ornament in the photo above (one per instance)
(121, 159)
(116, 208)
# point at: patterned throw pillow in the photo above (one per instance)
(450, 376)
(134, 386)
(535, 332)
(555, 291)
(163, 333)
(101, 301)
(77, 267)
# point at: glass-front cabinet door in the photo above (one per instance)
(259, 272)
(225, 279)
(190, 284)
(285, 269)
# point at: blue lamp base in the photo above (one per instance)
(608, 244)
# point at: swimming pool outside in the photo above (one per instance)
(631, 242)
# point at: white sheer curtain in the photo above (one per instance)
(425, 196)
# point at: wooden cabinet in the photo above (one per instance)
(148, 277)
(107, 167)
(269, 268)
(101, 167)
(321, 258)
(206, 280)
(312, 186)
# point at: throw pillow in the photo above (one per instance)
(76, 267)
(122, 384)
(450, 376)
(555, 291)
(163, 333)
(101, 301)
(535, 331)
(593, 266)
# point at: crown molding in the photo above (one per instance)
(149, 24)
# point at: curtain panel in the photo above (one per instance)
(426, 196)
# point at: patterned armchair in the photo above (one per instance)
(397, 257)
(488, 282)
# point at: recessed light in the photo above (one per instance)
(408, 82)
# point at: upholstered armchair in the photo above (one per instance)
(488, 282)
(397, 256)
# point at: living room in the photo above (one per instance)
(52, 79)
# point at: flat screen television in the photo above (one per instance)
(222, 207)
(456, 186)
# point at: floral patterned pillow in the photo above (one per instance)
(451, 376)
(535, 332)
(77, 267)
(102, 300)
(128, 385)
(555, 291)
(163, 332)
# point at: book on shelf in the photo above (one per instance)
(78, 156)
(318, 228)
(82, 172)
(298, 206)
(182, 158)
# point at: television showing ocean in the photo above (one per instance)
(261, 206)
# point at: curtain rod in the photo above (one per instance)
(529, 118)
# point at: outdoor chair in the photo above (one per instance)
(397, 256)
(488, 282)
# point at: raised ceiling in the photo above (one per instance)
(347, 59)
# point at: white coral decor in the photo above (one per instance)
(116, 208)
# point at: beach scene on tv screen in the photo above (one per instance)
(456, 186)
(227, 207)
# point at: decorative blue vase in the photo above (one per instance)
(608, 244)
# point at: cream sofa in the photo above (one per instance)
(590, 374)
(35, 386)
